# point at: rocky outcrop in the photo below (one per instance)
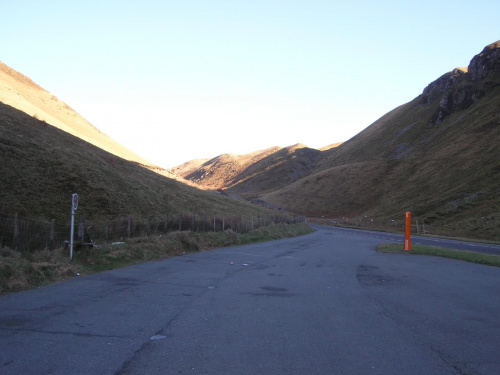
(460, 88)
(446, 82)
(486, 62)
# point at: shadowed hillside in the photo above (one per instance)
(42, 166)
(436, 156)
(277, 170)
(48, 152)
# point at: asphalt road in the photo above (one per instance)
(424, 240)
(325, 303)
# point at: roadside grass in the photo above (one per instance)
(20, 271)
(464, 239)
(468, 256)
(376, 226)
(27, 270)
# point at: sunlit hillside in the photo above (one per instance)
(22, 93)
(218, 172)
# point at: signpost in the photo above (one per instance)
(407, 246)
(74, 206)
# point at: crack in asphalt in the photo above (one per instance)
(79, 334)
(460, 367)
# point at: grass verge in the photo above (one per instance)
(22, 271)
(468, 256)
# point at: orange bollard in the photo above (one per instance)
(407, 246)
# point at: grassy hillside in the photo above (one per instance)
(42, 166)
(436, 156)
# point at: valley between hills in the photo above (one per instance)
(436, 156)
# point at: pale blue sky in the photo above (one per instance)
(179, 80)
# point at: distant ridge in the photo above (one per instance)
(218, 172)
(252, 174)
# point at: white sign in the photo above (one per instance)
(75, 201)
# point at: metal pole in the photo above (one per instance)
(74, 206)
(72, 232)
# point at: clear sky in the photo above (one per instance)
(184, 79)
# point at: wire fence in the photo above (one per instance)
(28, 234)
(418, 226)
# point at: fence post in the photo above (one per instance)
(106, 229)
(129, 225)
(81, 230)
(214, 223)
(166, 223)
(149, 225)
(180, 222)
(16, 230)
(252, 223)
(223, 223)
(194, 222)
(51, 235)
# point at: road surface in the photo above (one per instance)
(324, 303)
(424, 240)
